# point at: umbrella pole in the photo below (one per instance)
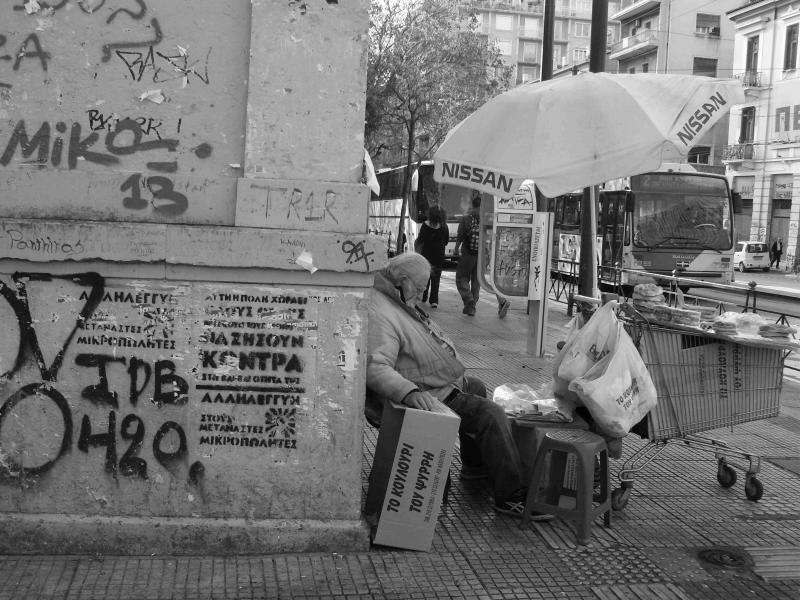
(587, 267)
(593, 225)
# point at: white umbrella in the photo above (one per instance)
(574, 132)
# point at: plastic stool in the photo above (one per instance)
(584, 445)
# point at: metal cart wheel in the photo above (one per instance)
(620, 497)
(726, 475)
(753, 488)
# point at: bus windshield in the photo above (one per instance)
(455, 200)
(681, 211)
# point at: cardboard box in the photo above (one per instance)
(409, 472)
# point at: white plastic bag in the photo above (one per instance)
(617, 390)
(584, 347)
(521, 400)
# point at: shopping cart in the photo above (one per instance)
(704, 381)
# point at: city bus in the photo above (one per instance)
(384, 209)
(674, 220)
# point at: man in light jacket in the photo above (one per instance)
(411, 361)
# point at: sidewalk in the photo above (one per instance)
(677, 513)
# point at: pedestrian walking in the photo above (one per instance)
(467, 244)
(776, 251)
(431, 243)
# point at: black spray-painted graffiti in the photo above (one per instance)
(29, 48)
(175, 66)
(356, 251)
(91, 7)
(125, 139)
(169, 388)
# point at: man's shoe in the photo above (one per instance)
(470, 311)
(515, 506)
(515, 509)
(434, 304)
(502, 310)
(474, 473)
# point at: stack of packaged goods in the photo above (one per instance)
(686, 317)
(724, 325)
(775, 331)
(647, 297)
(707, 313)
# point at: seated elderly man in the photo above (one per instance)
(412, 362)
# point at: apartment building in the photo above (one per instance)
(679, 37)
(763, 158)
(516, 26)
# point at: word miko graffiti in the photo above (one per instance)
(21, 459)
(251, 357)
(125, 139)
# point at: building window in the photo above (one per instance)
(751, 60)
(645, 67)
(707, 24)
(699, 155)
(790, 50)
(704, 66)
(503, 22)
(530, 52)
(529, 74)
(583, 29)
(580, 55)
(747, 128)
(560, 29)
(504, 46)
(531, 27)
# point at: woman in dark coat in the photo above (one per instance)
(431, 242)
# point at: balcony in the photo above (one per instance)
(750, 79)
(641, 43)
(532, 6)
(737, 152)
(630, 9)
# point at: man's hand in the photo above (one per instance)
(421, 400)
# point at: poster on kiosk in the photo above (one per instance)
(515, 254)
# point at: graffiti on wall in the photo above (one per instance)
(121, 425)
(251, 356)
(145, 143)
(31, 52)
(90, 367)
(138, 191)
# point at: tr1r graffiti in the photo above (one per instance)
(169, 441)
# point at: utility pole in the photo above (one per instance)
(587, 278)
(547, 39)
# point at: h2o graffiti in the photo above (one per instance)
(169, 445)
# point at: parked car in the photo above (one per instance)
(751, 255)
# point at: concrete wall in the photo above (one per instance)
(184, 271)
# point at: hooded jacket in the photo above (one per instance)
(406, 351)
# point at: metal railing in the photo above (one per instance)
(749, 78)
(564, 289)
(649, 35)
